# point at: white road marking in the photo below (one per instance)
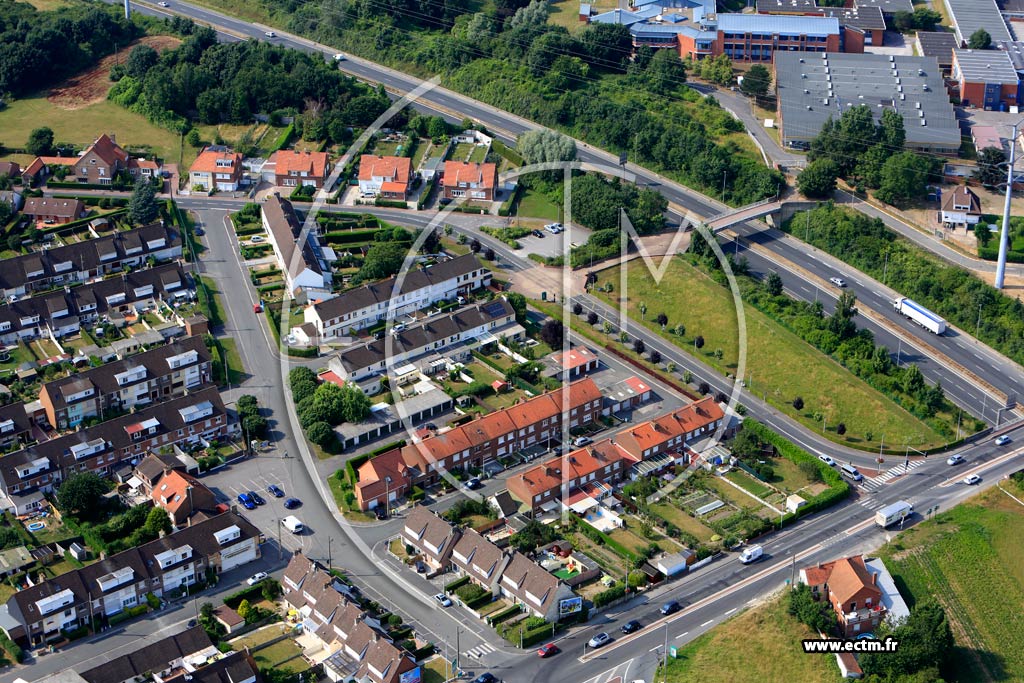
(681, 635)
(710, 621)
(656, 647)
(730, 611)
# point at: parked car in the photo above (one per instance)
(486, 677)
(837, 281)
(954, 459)
(671, 607)
(973, 479)
(246, 502)
(474, 484)
(256, 578)
(257, 498)
(548, 650)
(631, 626)
(1002, 440)
(256, 308)
(443, 599)
(380, 512)
(600, 639)
(270, 34)
(192, 623)
(827, 460)
(275, 491)
(420, 567)
(200, 232)
(292, 503)
(581, 441)
(256, 239)
(536, 233)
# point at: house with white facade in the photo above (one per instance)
(306, 267)
(364, 306)
(960, 208)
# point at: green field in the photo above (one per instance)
(971, 561)
(762, 644)
(780, 365)
(535, 204)
(82, 126)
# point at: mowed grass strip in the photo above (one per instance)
(971, 561)
(82, 126)
(780, 365)
(762, 644)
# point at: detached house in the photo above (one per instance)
(50, 210)
(852, 591)
(960, 208)
(473, 181)
(288, 168)
(387, 177)
(104, 159)
(216, 168)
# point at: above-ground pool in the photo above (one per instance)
(36, 526)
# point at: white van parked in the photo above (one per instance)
(751, 554)
(851, 472)
(292, 524)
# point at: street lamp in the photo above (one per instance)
(1004, 234)
(387, 497)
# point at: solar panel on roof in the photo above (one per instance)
(493, 309)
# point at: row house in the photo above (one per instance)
(167, 654)
(432, 537)
(306, 267)
(419, 288)
(200, 417)
(479, 559)
(383, 480)
(645, 448)
(64, 312)
(852, 592)
(81, 261)
(386, 177)
(453, 335)
(538, 420)
(217, 168)
(526, 583)
(15, 426)
(354, 649)
(288, 168)
(470, 180)
(108, 587)
(152, 376)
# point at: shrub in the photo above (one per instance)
(611, 595)
(452, 585)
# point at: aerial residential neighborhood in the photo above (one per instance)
(541, 340)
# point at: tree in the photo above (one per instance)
(553, 333)
(704, 388)
(157, 521)
(698, 341)
(355, 404)
(773, 284)
(662, 320)
(247, 404)
(40, 142)
(592, 318)
(577, 308)
(81, 495)
(518, 303)
(321, 433)
(814, 613)
(255, 426)
(142, 207)
(475, 246)
(757, 82)
(841, 428)
(655, 357)
(798, 403)
(982, 233)
(639, 346)
(680, 330)
(383, 259)
(140, 60)
(665, 72)
(244, 608)
(818, 179)
(926, 642)
(6, 211)
(193, 138)
(904, 176)
(990, 167)
(540, 146)
(980, 40)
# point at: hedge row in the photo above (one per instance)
(283, 139)
(351, 237)
(452, 585)
(246, 593)
(611, 595)
(90, 200)
(387, 447)
(992, 253)
(838, 489)
(390, 203)
(250, 230)
(273, 287)
(427, 193)
(485, 599)
(503, 615)
(11, 648)
(504, 150)
(81, 222)
(602, 538)
(509, 204)
(127, 614)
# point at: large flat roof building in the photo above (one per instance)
(971, 15)
(987, 79)
(937, 44)
(811, 88)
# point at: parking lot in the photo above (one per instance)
(552, 245)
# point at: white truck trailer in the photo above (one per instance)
(920, 315)
(896, 512)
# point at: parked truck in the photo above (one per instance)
(920, 315)
(896, 512)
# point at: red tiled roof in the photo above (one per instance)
(575, 357)
(394, 188)
(482, 175)
(397, 169)
(106, 149)
(57, 161)
(550, 474)
(637, 384)
(374, 472)
(206, 162)
(285, 161)
(173, 487)
(34, 168)
(143, 163)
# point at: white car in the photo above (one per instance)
(256, 240)
(827, 460)
(1002, 440)
(837, 281)
(270, 34)
(600, 639)
(443, 599)
(553, 228)
(339, 57)
(256, 578)
(973, 479)
(164, 4)
(954, 459)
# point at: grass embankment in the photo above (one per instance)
(970, 559)
(762, 644)
(780, 366)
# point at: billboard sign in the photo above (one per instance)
(411, 676)
(570, 606)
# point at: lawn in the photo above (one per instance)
(535, 204)
(780, 365)
(632, 541)
(674, 515)
(479, 154)
(462, 151)
(235, 367)
(19, 354)
(730, 495)
(762, 644)
(82, 126)
(971, 561)
(386, 149)
(741, 478)
(435, 671)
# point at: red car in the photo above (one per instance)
(548, 650)
(256, 308)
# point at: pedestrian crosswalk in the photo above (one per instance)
(480, 650)
(876, 483)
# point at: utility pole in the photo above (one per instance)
(127, 9)
(330, 566)
(1004, 234)
(664, 658)
(280, 548)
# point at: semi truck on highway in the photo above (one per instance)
(920, 315)
(893, 513)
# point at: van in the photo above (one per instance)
(851, 472)
(292, 524)
(751, 554)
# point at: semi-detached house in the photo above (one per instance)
(89, 259)
(121, 581)
(195, 418)
(362, 307)
(149, 377)
(431, 536)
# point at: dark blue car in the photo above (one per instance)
(275, 491)
(246, 501)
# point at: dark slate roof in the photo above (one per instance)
(153, 657)
(938, 44)
(285, 229)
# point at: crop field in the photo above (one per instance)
(971, 560)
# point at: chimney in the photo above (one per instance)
(874, 579)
